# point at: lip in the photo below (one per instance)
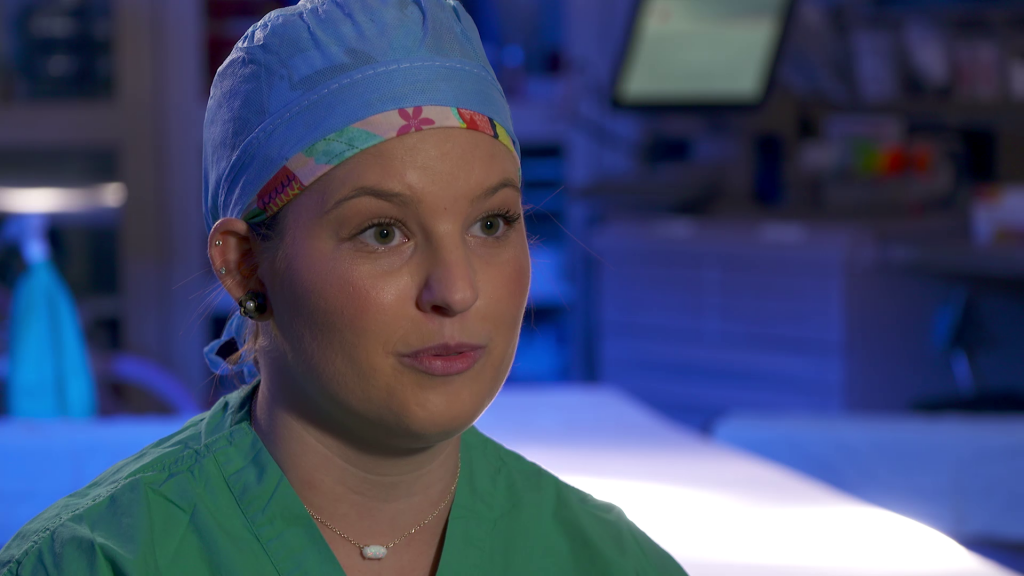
(447, 359)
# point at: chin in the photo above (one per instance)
(438, 411)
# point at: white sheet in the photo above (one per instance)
(962, 474)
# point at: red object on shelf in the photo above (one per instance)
(894, 161)
(922, 158)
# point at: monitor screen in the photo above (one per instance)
(701, 52)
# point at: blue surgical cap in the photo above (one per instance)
(305, 72)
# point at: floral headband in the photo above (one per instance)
(305, 167)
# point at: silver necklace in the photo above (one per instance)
(378, 551)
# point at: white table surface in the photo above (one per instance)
(962, 474)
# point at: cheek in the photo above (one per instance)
(520, 280)
(374, 305)
(340, 304)
(508, 281)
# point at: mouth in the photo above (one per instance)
(448, 359)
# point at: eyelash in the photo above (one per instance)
(511, 219)
(382, 222)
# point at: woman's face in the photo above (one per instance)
(415, 242)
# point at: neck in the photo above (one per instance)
(375, 495)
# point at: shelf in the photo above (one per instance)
(942, 111)
(59, 124)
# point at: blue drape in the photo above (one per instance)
(50, 373)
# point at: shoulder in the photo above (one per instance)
(560, 518)
(92, 525)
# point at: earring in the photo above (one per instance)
(252, 305)
(223, 270)
(217, 243)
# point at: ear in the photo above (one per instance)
(232, 250)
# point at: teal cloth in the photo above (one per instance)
(50, 373)
(210, 500)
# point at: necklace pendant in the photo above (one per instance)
(374, 552)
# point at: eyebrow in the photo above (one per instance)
(404, 200)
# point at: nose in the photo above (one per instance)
(450, 286)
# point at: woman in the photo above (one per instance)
(362, 193)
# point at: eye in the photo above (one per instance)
(383, 235)
(496, 224)
(491, 226)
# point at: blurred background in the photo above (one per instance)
(795, 227)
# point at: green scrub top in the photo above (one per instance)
(210, 500)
